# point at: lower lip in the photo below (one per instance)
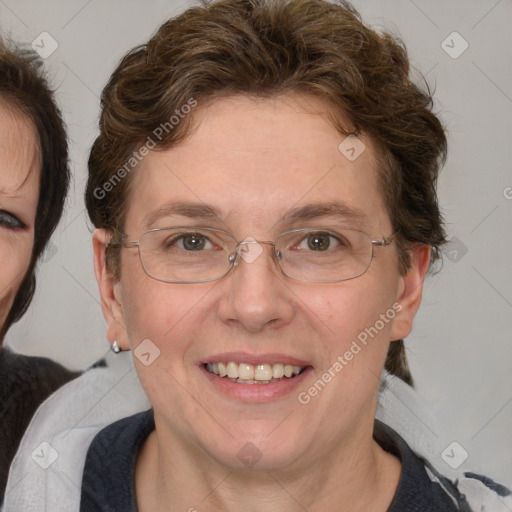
(257, 392)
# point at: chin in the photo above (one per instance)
(258, 453)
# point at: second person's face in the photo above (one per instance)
(19, 192)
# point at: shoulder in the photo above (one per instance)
(25, 382)
(63, 428)
(39, 374)
(414, 429)
(483, 493)
(473, 492)
(122, 435)
(422, 487)
(109, 472)
(416, 490)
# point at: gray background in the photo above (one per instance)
(461, 347)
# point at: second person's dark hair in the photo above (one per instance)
(24, 86)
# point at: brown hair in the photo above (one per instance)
(24, 86)
(266, 48)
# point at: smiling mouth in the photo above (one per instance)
(244, 373)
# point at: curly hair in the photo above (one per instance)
(265, 48)
(23, 85)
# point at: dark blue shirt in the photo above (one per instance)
(108, 483)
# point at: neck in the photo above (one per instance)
(171, 475)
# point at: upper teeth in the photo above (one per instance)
(263, 372)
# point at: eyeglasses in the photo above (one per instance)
(185, 254)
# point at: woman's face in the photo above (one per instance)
(19, 192)
(257, 169)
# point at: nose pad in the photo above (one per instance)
(250, 250)
(234, 258)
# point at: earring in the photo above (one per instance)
(116, 348)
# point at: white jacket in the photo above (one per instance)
(46, 474)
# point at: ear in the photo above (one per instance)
(410, 292)
(109, 291)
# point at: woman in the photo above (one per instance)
(263, 188)
(34, 180)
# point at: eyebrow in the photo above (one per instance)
(302, 213)
(182, 209)
(331, 209)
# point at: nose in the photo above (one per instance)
(256, 294)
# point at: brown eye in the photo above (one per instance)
(320, 241)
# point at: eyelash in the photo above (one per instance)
(10, 221)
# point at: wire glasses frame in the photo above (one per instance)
(163, 260)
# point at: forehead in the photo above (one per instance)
(255, 159)
(19, 151)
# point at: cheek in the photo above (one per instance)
(347, 310)
(14, 262)
(176, 319)
(5, 306)
(168, 314)
(355, 324)
(352, 318)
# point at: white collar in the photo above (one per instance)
(65, 424)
